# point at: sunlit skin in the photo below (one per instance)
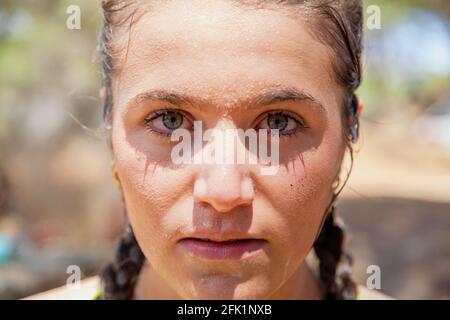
(223, 60)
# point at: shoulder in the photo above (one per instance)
(86, 290)
(371, 294)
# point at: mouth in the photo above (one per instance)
(224, 249)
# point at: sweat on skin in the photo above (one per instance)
(199, 51)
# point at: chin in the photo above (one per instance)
(229, 287)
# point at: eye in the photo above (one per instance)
(166, 121)
(286, 122)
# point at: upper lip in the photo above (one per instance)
(222, 236)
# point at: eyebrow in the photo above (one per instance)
(266, 98)
(163, 95)
(286, 94)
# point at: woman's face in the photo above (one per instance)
(229, 68)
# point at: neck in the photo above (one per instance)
(302, 285)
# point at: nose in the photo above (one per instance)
(224, 187)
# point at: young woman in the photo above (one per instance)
(226, 231)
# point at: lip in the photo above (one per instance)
(225, 249)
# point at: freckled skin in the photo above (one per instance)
(225, 55)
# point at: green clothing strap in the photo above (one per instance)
(98, 294)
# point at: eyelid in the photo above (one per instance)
(160, 112)
(157, 113)
(295, 117)
(289, 114)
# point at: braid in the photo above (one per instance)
(329, 249)
(120, 276)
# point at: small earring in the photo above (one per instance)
(115, 175)
(336, 184)
(354, 132)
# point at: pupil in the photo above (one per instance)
(277, 121)
(172, 120)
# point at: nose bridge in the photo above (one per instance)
(224, 185)
(221, 183)
(222, 177)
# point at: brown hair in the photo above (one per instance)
(338, 24)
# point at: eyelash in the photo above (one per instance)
(296, 119)
(159, 113)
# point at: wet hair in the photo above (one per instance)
(336, 23)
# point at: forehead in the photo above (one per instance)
(220, 51)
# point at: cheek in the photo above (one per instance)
(300, 193)
(151, 190)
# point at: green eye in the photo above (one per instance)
(166, 121)
(277, 121)
(172, 120)
(287, 123)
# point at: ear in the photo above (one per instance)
(356, 107)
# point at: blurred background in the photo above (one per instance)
(58, 202)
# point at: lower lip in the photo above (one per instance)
(221, 250)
